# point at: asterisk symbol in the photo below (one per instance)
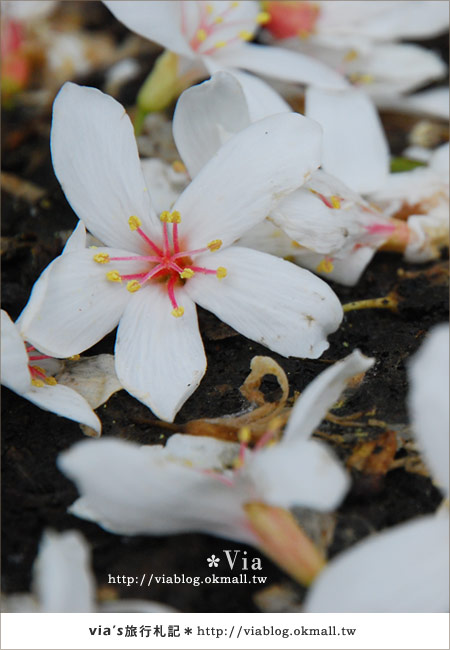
(188, 630)
(213, 561)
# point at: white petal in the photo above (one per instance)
(408, 20)
(62, 576)
(159, 358)
(77, 240)
(355, 147)
(383, 574)
(262, 99)
(206, 116)
(92, 377)
(320, 395)
(164, 183)
(202, 452)
(428, 374)
(140, 491)
(65, 402)
(299, 474)
(345, 271)
(282, 64)
(407, 65)
(96, 161)
(157, 21)
(268, 238)
(80, 306)
(14, 357)
(21, 10)
(244, 179)
(434, 102)
(439, 161)
(334, 231)
(269, 300)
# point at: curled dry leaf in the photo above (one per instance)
(261, 414)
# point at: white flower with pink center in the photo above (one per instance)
(201, 484)
(209, 36)
(29, 373)
(154, 269)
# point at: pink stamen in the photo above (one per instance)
(156, 248)
(202, 269)
(325, 200)
(166, 239)
(39, 358)
(151, 274)
(143, 258)
(39, 373)
(189, 253)
(222, 479)
(265, 438)
(176, 243)
(381, 228)
(171, 291)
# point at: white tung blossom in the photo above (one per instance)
(210, 36)
(157, 268)
(202, 484)
(406, 568)
(29, 373)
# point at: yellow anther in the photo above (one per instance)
(209, 9)
(335, 201)
(39, 369)
(214, 245)
(179, 167)
(74, 357)
(295, 244)
(133, 286)
(165, 216)
(218, 20)
(244, 435)
(235, 4)
(304, 34)
(37, 382)
(134, 223)
(262, 18)
(237, 463)
(187, 273)
(325, 266)
(351, 55)
(220, 44)
(175, 217)
(361, 78)
(221, 272)
(101, 258)
(201, 35)
(177, 312)
(51, 381)
(114, 276)
(245, 35)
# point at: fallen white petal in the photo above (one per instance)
(247, 176)
(94, 378)
(355, 148)
(141, 491)
(95, 158)
(428, 373)
(403, 569)
(80, 306)
(14, 357)
(269, 300)
(65, 402)
(320, 395)
(63, 580)
(159, 358)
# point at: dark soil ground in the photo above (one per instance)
(35, 494)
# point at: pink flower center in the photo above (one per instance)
(38, 375)
(212, 26)
(288, 19)
(167, 263)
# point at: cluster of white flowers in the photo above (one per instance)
(260, 186)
